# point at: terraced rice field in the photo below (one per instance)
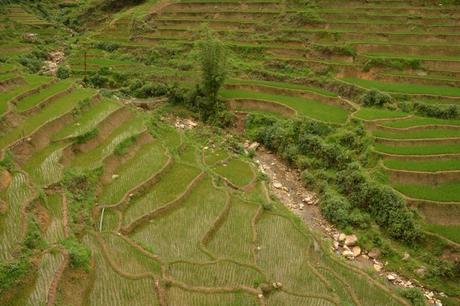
(170, 220)
(149, 223)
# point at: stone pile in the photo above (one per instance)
(347, 246)
(51, 65)
(185, 124)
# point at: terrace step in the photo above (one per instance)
(228, 5)
(423, 177)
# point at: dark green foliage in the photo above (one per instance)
(106, 78)
(122, 147)
(12, 273)
(394, 63)
(414, 295)
(34, 60)
(63, 72)
(335, 50)
(80, 187)
(314, 145)
(437, 111)
(33, 239)
(388, 209)
(83, 105)
(85, 137)
(107, 46)
(7, 162)
(304, 17)
(336, 209)
(374, 97)
(79, 253)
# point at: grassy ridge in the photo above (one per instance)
(406, 87)
(418, 134)
(416, 165)
(419, 149)
(447, 192)
(367, 113)
(309, 108)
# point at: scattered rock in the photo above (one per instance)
(335, 245)
(348, 254)
(391, 277)
(342, 237)
(254, 146)
(356, 250)
(378, 267)
(406, 256)
(374, 253)
(351, 240)
(186, 124)
(277, 285)
(277, 185)
(30, 37)
(115, 176)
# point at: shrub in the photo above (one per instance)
(33, 239)
(307, 178)
(336, 209)
(11, 273)
(85, 137)
(7, 162)
(335, 50)
(107, 46)
(32, 64)
(437, 111)
(63, 72)
(79, 253)
(386, 207)
(374, 97)
(306, 16)
(414, 295)
(122, 147)
(395, 63)
(150, 90)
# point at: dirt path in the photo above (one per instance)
(287, 186)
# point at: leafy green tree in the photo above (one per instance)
(213, 62)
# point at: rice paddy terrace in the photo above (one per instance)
(172, 217)
(407, 49)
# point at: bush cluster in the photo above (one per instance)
(79, 253)
(374, 97)
(11, 273)
(329, 154)
(394, 63)
(107, 46)
(388, 209)
(85, 137)
(106, 78)
(335, 50)
(437, 111)
(63, 72)
(34, 60)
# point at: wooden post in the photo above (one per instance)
(85, 54)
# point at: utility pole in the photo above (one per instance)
(85, 55)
